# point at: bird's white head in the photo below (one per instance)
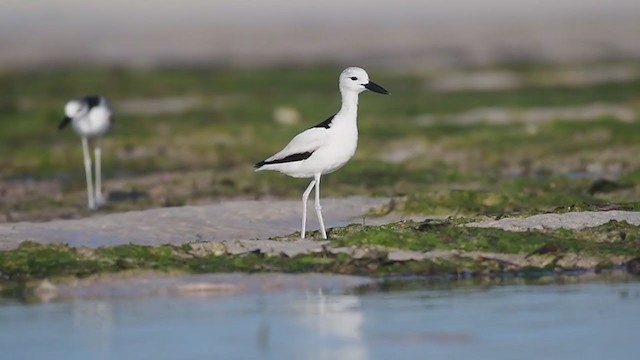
(74, 108)
(355, 79)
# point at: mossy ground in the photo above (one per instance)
(203, 152)
(613, 238)
(33, 261)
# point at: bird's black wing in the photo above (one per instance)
(286, 159)
(92, 101)
(325, 124)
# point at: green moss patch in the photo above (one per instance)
(442, 167)
(522, 196)
(605, 243)
(612, 238)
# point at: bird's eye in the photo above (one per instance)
(354, 78)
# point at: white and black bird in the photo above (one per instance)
(326, 147)
(90, 117)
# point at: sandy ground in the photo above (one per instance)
(570, 220)
(233, 220)
(239, 227)
(251, 223)
(243, 32)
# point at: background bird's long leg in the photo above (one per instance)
(305, 196)
(318, 207)
(87, 170)
(98, 154)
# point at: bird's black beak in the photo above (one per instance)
(65, 121)
(376, 88)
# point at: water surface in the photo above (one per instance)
(417, 319)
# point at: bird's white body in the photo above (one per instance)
(96, 122)
(327, 146)
(332, 147)
(90, 117)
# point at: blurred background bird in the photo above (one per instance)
(90, 117)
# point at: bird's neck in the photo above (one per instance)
(349, 103)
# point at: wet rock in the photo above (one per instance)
(440, 254)
(495, 258)
(86, 253)
(289, 248)
(431, 224)
(240, 248)
(546, 249)
(203, 249)
(338, 250)
(370, 253)
(633, 266)
(576, 261)
(604, 186)
(569, 220)
(403, 255)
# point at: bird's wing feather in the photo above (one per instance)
(100, 113)
(307, 141)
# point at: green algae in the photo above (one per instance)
(32, 261)
(612, 238)
(70, 262)
(460, 170)
(456, 169)
(521, 196)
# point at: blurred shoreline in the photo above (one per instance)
(242, 33)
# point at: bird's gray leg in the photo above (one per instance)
(87, 170)
(305, 196)
(318, 207)
(98, 154)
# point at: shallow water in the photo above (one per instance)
(416, 319)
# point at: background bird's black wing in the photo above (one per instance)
(92, 101)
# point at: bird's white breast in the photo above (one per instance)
(340, 146)
(95, 123)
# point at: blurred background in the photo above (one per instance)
(406, 33)
(496, 107)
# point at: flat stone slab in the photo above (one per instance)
(241, 227)
(228, 221)
(570, 220)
